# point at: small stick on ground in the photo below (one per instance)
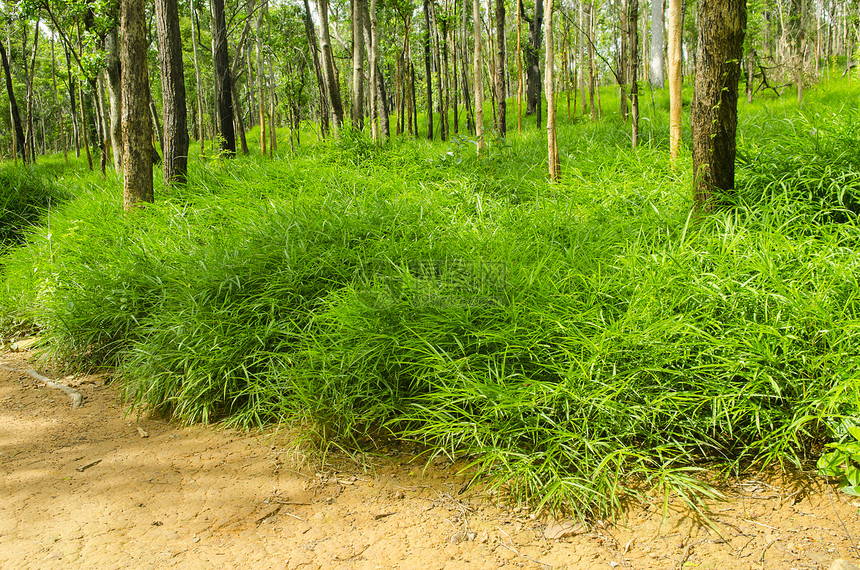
(77, 398)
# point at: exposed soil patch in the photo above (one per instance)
(88, 487)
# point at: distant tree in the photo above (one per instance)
(675, 79)
(172, 92)
(223, 80)
(722, 24)
(533, 59)
(655, 70)
(13, 106)
(136, 126)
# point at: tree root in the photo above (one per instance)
(77, 398)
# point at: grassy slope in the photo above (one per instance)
(576, 341)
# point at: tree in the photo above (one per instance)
(479, 82)
(335, 101)
(549, 87)
(533, 60)
(358, 10)
(655, 70)
(715, 101)
(633, 27)
(136, 126)
(13, 106)
(675, 82)
(501, 94)
(223, 80)
(172, 92)
(425, 40)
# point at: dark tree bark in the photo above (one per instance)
(175, 148)
(223, 80)
(715, 102)
(501, 57)
(136, 127)
(533, 82)
(13, 105)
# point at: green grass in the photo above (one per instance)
(578, 344)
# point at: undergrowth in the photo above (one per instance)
(577, 344)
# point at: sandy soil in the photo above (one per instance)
(163, 495)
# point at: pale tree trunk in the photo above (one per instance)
(519, 66)
(479, 82)
(374, 74)
(60, 119)
(437, 59)
(136, 129)
(655, 72)
(13, 108)
(549, 89)
(675, 81)
(533, 82)
(427, 69)
(589, 14)
(333, 89)
(722, 24)
(358, 11)
(311, 34)
(30, 134)
(623, 64)
(114, 87)
(223, 80)
(200, 134)
(633, 26)
(175, 148)
(501, 56)
(261, 83)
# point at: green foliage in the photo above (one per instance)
(25, 194)
(844, 462)
(577, 344)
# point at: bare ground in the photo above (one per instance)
(163, 495)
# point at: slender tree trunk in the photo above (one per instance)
(479, 82)
(61, 123)
(84, 130)
(623, 55)
(634, 71)
(425, 41)
(310, 32)
(519, 66)
(358, 11)
(437, 63)
(549, 88)
(656, 75)
(533, 81)
(675, 79)
(113, 75)
(501, 58)
(261, 83)
(136, 129)
(30, 135)
(194, 38)
(223, 80)
(722, 24)
(175, 148)
(328, 68)
(13, 107)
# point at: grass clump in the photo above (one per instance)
(577, 344)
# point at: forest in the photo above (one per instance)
(588, 249)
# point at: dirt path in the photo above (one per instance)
(215, 498)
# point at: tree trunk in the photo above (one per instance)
(194, 31)
(357, 110)
(136, 128)
(478, 83)
(623, 54)
(310, 32)
(633, 26)
(425, 41)
(73, 111)
(715, 103)
(501, 56)
(175, 148)
(549, 88)
(261, 82)
(656, 74)
(223, 80)
(13, 106)
(328, 68)
(519, 66)
(533, 60)
(675, 79)
(113, 76)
